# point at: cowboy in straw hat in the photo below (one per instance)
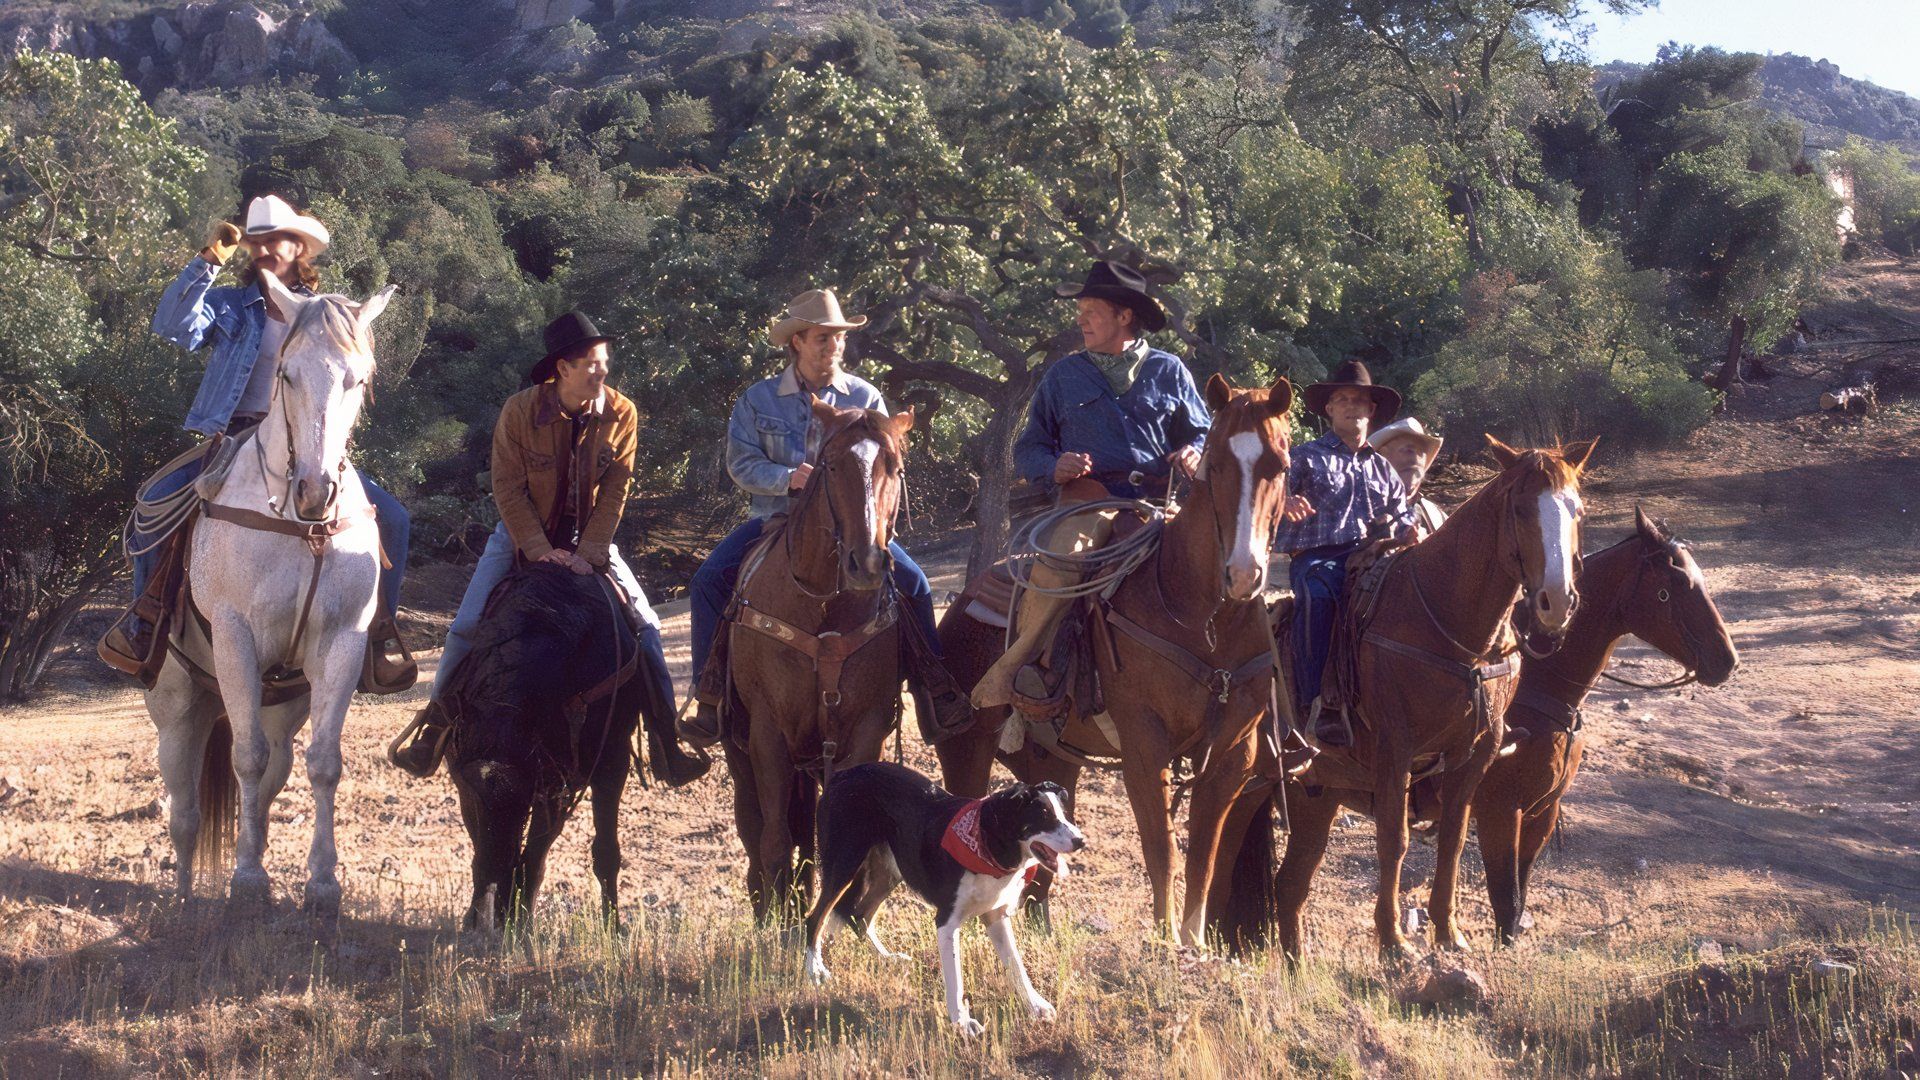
(245, 336)
(1408, 447)
(563, 453)
(767, 441)
(1339, 486)
(1115, 419)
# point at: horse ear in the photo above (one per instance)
(1219, 392)
(1280, 397)
(1576, 454)
(901, 423)
(373, 306)
(284, 304)
(1649, 529)
(1502, 453)
(824, 413)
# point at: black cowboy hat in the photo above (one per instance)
(1119, 284)
(565, 334)
(1354, 374)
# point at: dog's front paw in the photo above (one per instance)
(968, 1026)
(817, 970)
(1039, 1009)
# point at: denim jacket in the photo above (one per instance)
(1075, 410)
(191, 314)
(772, 428)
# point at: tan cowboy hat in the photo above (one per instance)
(272, 214)
(1407, 428)
(815, 307)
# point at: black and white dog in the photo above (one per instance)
(966, 857)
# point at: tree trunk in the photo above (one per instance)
(991, 519)
(1730, 368)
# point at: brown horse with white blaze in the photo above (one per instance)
(1647, 585)
(1188, 673)
(814, 648)
(1433, 677)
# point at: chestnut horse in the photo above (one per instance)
(814, 648)
(1189, 672)
(1433, 676)
(1647, 585)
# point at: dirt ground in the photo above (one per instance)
(1782, 804)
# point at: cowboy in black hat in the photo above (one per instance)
(1340, 489)
(1114, 419)
(563, 453)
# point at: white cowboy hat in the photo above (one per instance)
(815, 307)
(272, 214)
(1406, 428)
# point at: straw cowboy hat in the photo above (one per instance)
(1120, 284)
(272, 214)
(1407, 428)
(815, 307)
(1354, 374)
(571, 331)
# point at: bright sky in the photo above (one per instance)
(1875, 40)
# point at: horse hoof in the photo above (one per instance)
(250, 893)
(1454, 942)
(322, 899)
(1396, 950)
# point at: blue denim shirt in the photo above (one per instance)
(1347, 491)
(1075, 410)
(772, 430)
(191, 314)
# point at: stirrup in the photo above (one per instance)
(692, 730)
(399, 753)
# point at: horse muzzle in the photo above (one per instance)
(313, 498)
(866, 570)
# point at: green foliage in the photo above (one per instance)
(1886, 192)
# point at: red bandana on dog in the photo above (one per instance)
(962, 841)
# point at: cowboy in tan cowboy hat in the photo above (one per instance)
(767, 442)
(1410, 449)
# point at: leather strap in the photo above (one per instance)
(1560, 715)
(829, 650)
(1218, 681)
(317, 534)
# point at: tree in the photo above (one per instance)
(93, 187)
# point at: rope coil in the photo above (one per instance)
(1097, 570)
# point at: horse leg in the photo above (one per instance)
(1456, 802)
(607, 789)
(1240, 897)
(748, 824)
(1392, 778)
(966, 759)
(1214, 793)
(184, 715)
(1310, 826)
(774, 783)
(1144, 768)
(549, 817)
(338, 673)
(495, 802)
(237, 666)
(1535, 831)
(1498, 827)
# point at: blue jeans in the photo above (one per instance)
(496, 562)
(1319, 576)
(713, 587)
(396, 530)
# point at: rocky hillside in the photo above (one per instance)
(1832, 105)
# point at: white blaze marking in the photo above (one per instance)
(1558, 512)
(866, 451)
(1246, 448)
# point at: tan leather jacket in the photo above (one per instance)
(535, 459)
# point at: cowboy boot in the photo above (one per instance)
(938, 701)
(1329, 726)
(425, 742)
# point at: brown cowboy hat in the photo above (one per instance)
(1354, 375)
(1120, 284)
(571, 331)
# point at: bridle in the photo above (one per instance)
(1675, 552)
(286, 506)
(823, 468)
(1530, 595)
(1219, 543)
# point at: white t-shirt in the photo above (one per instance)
(258, 395)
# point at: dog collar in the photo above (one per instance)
(962, 841)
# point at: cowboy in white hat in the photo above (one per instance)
(1411, 450)
(244, 336)
(767, 441)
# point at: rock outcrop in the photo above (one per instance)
(190, 46)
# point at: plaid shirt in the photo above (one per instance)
(1347, 492)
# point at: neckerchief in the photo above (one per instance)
(1120, 368)
(962, 841)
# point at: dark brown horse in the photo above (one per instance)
(1187, 674)
(814, 648)
(1433, 677)
(1647, 585)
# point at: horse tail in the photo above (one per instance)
(219, 799)
(1245, 921)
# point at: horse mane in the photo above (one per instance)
(335, 317)
(527, 653)
(873, 424)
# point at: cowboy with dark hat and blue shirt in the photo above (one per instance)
(1112, 420)
(245, 338)
(767, 440)
(1338, 488)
